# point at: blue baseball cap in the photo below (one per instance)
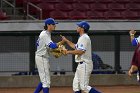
(50, 21)
(84, 24)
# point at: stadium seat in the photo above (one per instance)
(3, 15)
(68, 1)
(46, 9)
(64, 7)
(116, 7)
(135, 1)
(104, 1)
(51, 1)
(87, 1)
(133, 6)
(85, 7)
(131, 15)
(99, 7)
(46, 6)
(77, 15)
(113, 15)
(122, 1)
(95, 15)
(59, 15)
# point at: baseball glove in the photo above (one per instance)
(58, 51)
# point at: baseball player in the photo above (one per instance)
(44, 44)
(82, 51)
(135, 64)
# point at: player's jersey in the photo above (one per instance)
(43, 43)
(138, 40)
(84, 44)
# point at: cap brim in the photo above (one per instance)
(56, 22)
(78, 24)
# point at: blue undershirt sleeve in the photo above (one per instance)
(134, 42)
(52, 45)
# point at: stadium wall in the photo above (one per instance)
(32, 81)
(31, 25)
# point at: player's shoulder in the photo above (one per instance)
(43, 33)
(139, 37)
(85, 36)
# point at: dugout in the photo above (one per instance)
(110, 40)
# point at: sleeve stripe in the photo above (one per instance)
(81, 49)
(49, 43)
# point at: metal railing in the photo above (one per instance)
(38, 8)
(10, 4)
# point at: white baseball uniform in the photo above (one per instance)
(42, 57)
(85, 64)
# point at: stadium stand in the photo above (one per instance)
(77, 15)
(133, 6)
(113, 15)
(82, 9)
(95, 15)
(64, 7)
(99, 7)
(86, 1)
(136, 1)
(68, 1)
(130, 15)
(77, 6)
(104, 1)
(117, 7)
(122, 1)
(59, 15)
(46, 9)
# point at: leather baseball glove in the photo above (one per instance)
(58, 52)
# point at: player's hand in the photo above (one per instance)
(65, 52)
(132, 32)
(64, 38)
(130, 73)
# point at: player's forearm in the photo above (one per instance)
(72, 45)
(132, 37)
(75, 52)
(134, 68)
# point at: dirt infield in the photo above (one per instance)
(103, 89)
